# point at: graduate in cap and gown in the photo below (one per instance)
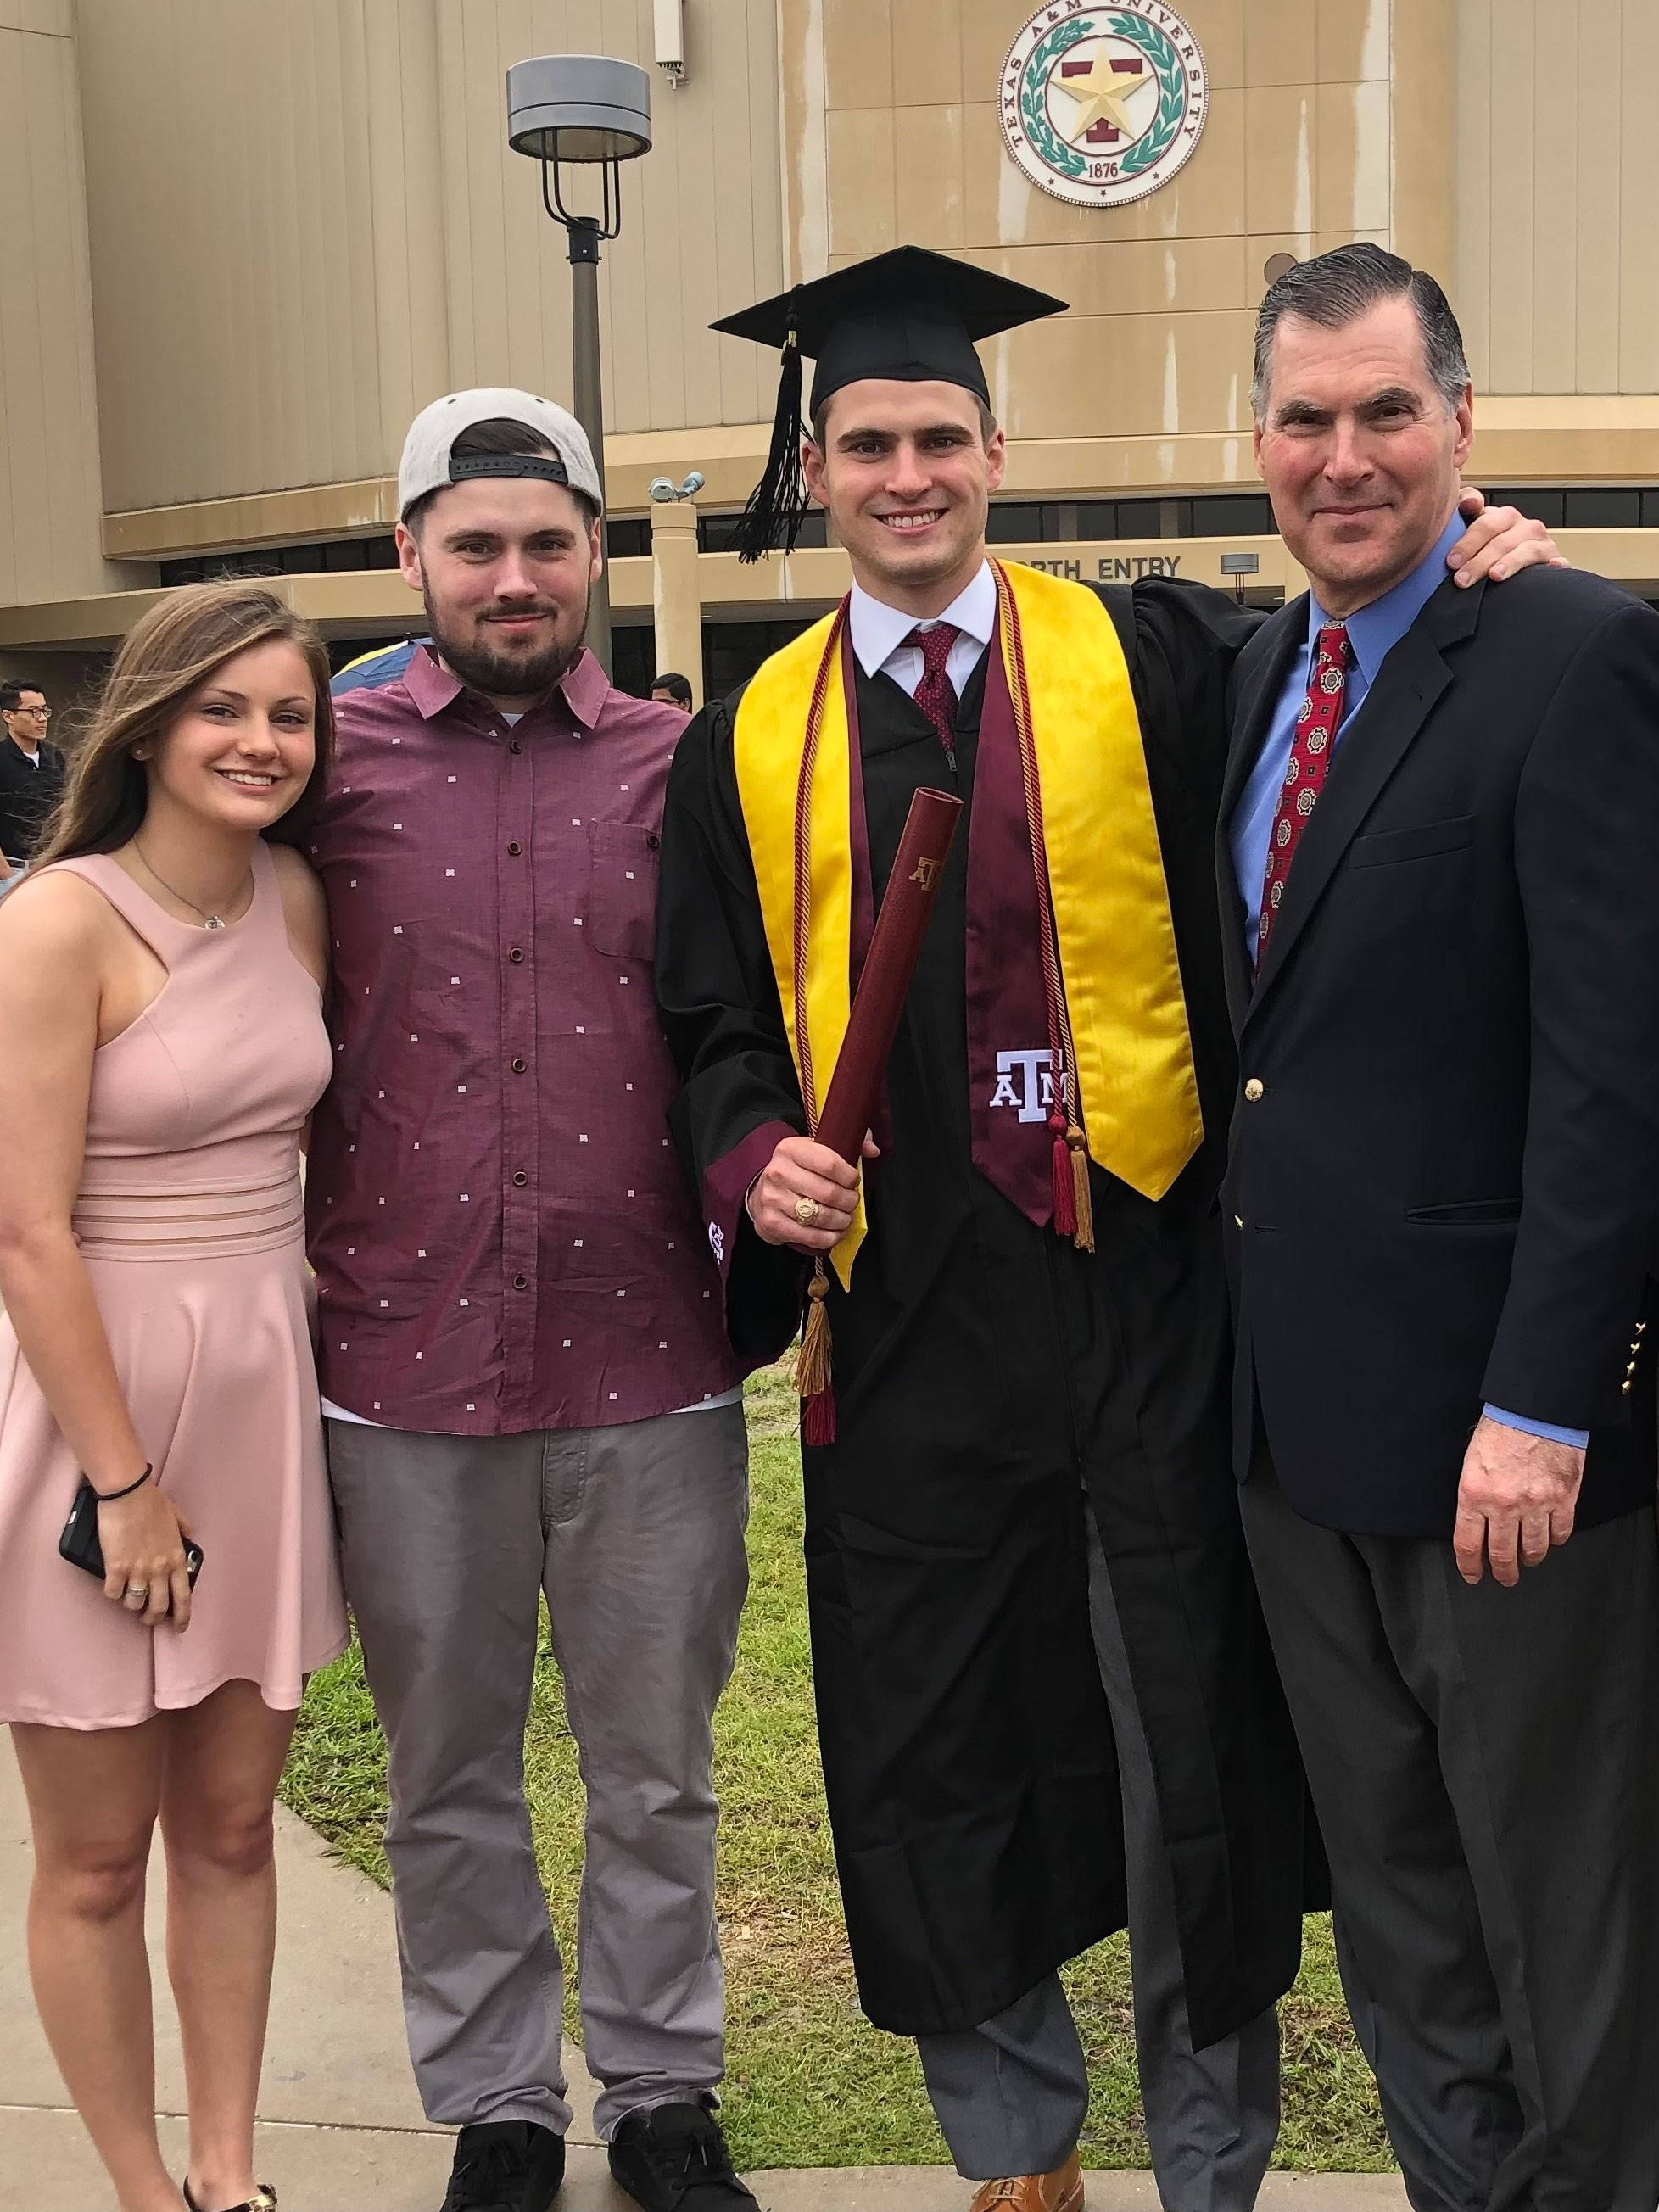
(1046, 1704)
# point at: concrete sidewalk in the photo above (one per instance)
(341, 2127)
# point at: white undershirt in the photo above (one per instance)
(879, 633)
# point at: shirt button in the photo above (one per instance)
(1253, 1089)
(521, 1178)
(521, 1282)
(515, 745)
(519, 1066)
(653, 841)
(515, 848)
(517, 955)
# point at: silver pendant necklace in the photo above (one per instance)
(209, 921)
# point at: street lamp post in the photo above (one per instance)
(583, 108)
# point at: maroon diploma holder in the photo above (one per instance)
(894, 948)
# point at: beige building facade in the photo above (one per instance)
(242, 241)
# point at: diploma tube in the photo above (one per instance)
(894, 948)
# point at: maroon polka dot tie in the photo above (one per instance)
(936, 695)
(1311, 748)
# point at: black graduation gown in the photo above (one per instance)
(987, 1374)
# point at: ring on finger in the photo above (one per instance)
(138, 1591)
(806, 1212)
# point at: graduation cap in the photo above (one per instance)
(909, 316)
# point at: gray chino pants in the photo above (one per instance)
(635, 1533)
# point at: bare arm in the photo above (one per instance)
(55, 951)
(305, 912)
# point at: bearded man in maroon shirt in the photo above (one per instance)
(524, 1366)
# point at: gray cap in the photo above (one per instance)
(426, 465)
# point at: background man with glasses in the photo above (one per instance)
(31, 776)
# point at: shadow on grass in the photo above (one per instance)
(811, 2082)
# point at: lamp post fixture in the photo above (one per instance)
(564, 109)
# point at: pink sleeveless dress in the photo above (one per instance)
(190, 1223)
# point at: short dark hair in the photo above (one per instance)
(677, 686)
(500, 434)
(11, 692)
(1338, 287)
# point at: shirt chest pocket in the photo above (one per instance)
(622, 889)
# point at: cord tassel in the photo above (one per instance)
(1065, 1180)
(813, 1367)
(1083, 1229)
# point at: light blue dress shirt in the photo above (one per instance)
(1372, 631)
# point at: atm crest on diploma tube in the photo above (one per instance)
(1103, 106)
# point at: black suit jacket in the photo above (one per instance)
(1445, 1192)
(28, 795)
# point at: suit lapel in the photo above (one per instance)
(1256, 696)
(1409, 682)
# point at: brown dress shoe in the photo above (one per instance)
(1060, 2192)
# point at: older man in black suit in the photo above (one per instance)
(1437, 860)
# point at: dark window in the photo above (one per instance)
(633, 658)
(628, 536)
(1650, 509)
(1014, 522)
(1242, 514)
(715, 532)
(1139, 518)
(732, 652)
(334, 556)
(1544, 507)
(1603, 510)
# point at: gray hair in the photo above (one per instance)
(1336, 288)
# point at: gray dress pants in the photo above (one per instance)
(635, 1533)
(1485, 1766)
(1012, 2094)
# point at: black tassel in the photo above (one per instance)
(772, 519)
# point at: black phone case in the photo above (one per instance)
(79, 1542)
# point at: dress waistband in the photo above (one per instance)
(190, 1221)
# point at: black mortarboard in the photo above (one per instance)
(909, 315)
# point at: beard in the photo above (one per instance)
(503, 675)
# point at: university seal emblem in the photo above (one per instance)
(1101, 106)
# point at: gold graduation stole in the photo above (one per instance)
(1123, 1083)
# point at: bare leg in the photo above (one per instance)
(93, 1798)
(223, 1760)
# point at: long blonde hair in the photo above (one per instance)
(166, 655)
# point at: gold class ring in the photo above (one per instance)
(806, 1212)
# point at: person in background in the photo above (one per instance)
(160, 997)
(528, 1384)
(1439, 825)
(672, 690)
(31, 776)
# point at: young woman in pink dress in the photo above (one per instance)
(161, 978)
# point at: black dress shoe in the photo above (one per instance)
(672, 2158)
(263, 2199)
(505, 2166)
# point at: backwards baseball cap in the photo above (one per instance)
(431, 463)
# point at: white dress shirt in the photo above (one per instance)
(879, 633)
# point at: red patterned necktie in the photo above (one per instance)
(936, 695)
(1311, 748)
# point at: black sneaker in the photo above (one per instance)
(505, 2166)
(672, 2158)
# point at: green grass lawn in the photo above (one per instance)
(810, 2083)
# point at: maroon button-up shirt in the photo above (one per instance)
(503, 1237)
